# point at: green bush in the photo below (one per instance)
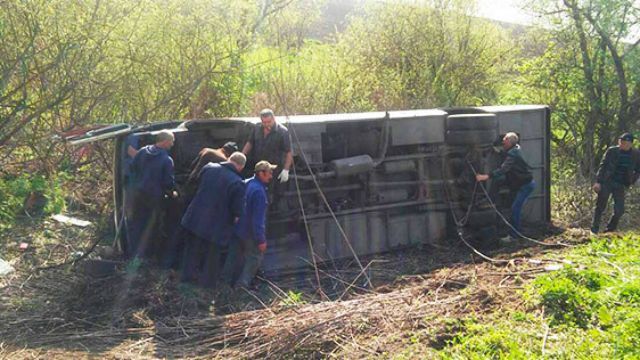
(14, 191)
(569, 295)
(630, 292)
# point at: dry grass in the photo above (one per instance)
(62, 313)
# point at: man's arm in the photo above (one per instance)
(286, 148)
(135, 165)
(247, 148)
(636, 170)
(259, 216)
(606, 159)
(288, 160)
(131, 151)
(169, 181)
(506, 166)
(237, 199)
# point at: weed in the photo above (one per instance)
(566, 296)
(293, 298)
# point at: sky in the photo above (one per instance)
(504, 10)
(514, 11)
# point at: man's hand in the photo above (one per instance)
(596, 187)
(482, 177)
(284, 176)
(262, 247)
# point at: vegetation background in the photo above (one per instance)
(73, 64)
(67, 65)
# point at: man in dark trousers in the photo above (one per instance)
(516, 173)
(153, 178)
(131, 146)
(175, 245)
(251, 236)
(208, 222)
(619, 169)
(269, 141)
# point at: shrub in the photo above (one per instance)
(569, 295)
(15, 192)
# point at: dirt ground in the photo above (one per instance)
(139, 311)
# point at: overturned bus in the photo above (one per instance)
(368, 183)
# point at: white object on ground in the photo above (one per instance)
(70, 220)
(5, 268)
(553, 267)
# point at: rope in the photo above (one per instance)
(306, 226)
(326, 203)
(503, 218)
(317, 185)
(461, 223)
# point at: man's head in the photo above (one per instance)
(509, 140)
(238, 160)
(165, 139)
(229, 148)
(267, 118)
(264, 171)
(625, 141)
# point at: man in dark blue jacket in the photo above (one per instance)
(129, 152)
(153, 180)
(619, 169)
(251, 235)
(516, 173)
(209, 219)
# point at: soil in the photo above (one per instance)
(140, 311)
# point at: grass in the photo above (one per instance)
(589, 309)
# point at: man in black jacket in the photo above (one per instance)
(516, 173)
(619, 169)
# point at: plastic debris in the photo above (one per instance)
(23, 246)
(553, 267)
(70, 220)
(5, 268)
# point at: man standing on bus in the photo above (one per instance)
(269, 141)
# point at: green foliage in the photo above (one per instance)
(21, 190)
(569, 296)
(293, 298)
(591, 311)
(480, 341)
(426, 56)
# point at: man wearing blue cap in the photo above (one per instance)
(619, 169)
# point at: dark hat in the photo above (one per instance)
(264, 166)
(626, 137)
(230, 147)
